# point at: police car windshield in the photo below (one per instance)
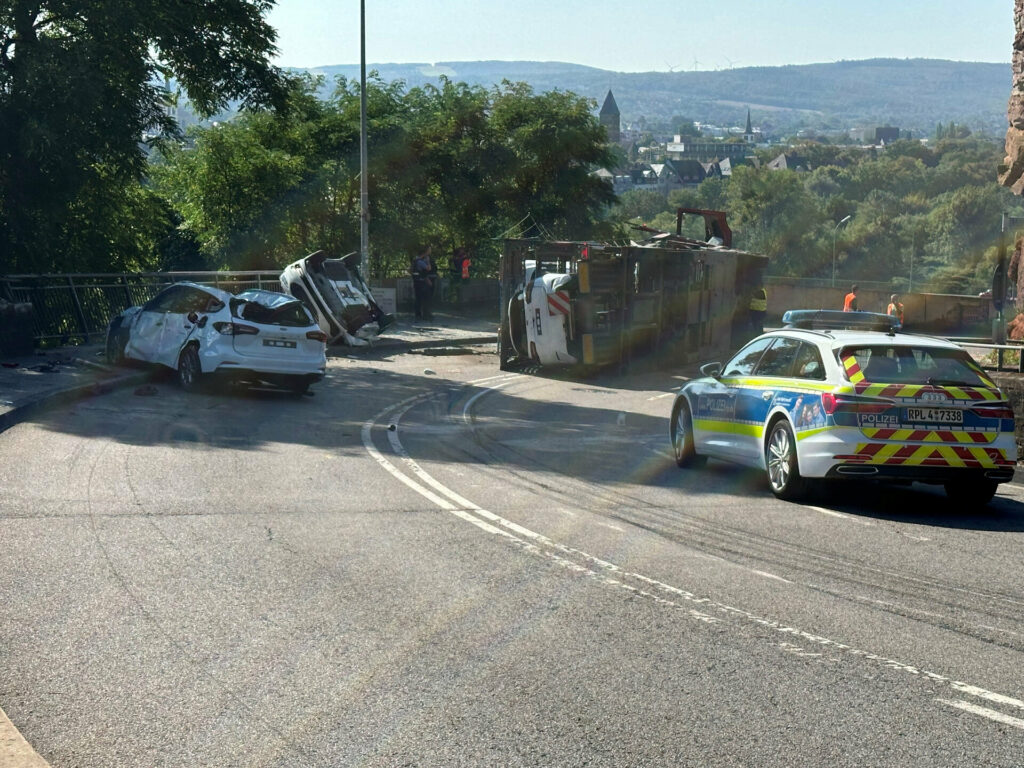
(908, 364)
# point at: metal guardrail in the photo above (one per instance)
(79, 306)
(1001, 350)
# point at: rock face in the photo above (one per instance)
(1011, 172)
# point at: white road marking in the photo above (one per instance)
(991, 714)
(772, 576)
(478, 395)
(659, 397)
(833, 513)
(612, 526)
(796, 650)
(913, 537)
(998, 629)
(538, 544)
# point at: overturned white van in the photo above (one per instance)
(340, 300)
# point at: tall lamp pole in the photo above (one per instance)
(834, 231)
(364, 195)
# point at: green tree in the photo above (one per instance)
(78, 92)
(449, 165)
(643, 204)
(549, 144)
(773, 214)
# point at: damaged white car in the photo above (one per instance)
(255, 337)
(335, 293)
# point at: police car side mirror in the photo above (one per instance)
(711, 369)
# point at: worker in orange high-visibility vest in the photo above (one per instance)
(895, 307)
(850, 302)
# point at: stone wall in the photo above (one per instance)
(1011, 172)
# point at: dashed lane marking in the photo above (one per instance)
(840, 515)
(991, 714)
(596, 568)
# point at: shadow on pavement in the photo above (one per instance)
(622, 451)
(922, 505)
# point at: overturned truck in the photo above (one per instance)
(669, 299)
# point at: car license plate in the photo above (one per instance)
(935, 415)
(276, 343)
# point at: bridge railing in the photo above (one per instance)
(79, 306)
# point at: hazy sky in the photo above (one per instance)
(643, 35)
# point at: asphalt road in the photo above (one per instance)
(516, 574)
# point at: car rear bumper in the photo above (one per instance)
(220, 357)
(935, 475)
(845, 453)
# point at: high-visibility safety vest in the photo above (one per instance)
(896, 310)
(759, 301)
(850, 303)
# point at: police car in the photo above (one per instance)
(846, 395)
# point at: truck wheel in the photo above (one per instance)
(504, 356)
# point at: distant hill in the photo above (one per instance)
(910, 93)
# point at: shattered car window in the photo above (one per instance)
(270, 308)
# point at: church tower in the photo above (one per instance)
(748, 134)
(609, 117)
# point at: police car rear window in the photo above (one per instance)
(906, 364)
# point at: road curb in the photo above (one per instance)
(468, 341)
(15, 752)
(68, 395)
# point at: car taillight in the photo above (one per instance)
(1001, 411)
(830, 403)
(317, 336)
(235, 329)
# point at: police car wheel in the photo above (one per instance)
(682, 438)
(780, 460)
(971, 494)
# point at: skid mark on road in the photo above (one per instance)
(610, 574)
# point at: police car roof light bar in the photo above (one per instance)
(834, 320)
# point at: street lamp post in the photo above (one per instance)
(364, 197)
(913, 247)
(834, 231)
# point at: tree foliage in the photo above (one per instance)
(80, 89)
(451, 165)
(931, 210)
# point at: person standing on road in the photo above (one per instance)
(895, 307)
(421, 284)
(434, 281)
(850, 302)
(460, 272)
